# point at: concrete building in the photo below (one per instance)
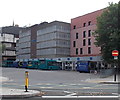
(8, 37)
(82, 40)
(24, 44)
(45, 40)
(53, 40)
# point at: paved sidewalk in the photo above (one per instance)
(18, 93)
(108, 80)
(9, 93)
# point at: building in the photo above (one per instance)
(8, 38)
(44, 40)
(53, 40)
(24, 43)
(82, 40)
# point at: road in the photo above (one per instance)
(58, 83)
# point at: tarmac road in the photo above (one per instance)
(59, 83)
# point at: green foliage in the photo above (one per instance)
(107, 33)
(2, 47)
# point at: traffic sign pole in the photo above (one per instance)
(115, 53)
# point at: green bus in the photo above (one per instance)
(7, 63)
(33, 64)
(49, 65)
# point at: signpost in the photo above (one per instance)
(115, 53)
(26, 81)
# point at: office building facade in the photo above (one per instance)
(53, 40)
(44, 40)
(82, 39)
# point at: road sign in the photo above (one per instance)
(115, 53)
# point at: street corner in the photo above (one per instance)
(19, 93)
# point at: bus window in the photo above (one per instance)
(42, 61)
(36, 63)
(29, 62)
(53, 63)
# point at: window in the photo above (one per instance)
(84, 24)
(89, 50)
(89, 33)
(76, 51)
(74, 27)
(84, 34)
(76, 35)
(84, 42)
(81, 50)
(89, 41)
(89, 23)
(74, 43)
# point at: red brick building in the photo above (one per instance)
(82, 40)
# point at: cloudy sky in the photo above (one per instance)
(30, 12)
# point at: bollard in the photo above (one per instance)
(26, 81)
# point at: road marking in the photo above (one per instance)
(46, 87)
(80, 96)
(67, 91)
(115, 93)
(72, 94)
(86, 87)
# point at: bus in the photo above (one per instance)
(86, 66)
(33, 64)
(49, 65)
(22, 64)
(7, 63)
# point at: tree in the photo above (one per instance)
(2, 47)
(107, 34)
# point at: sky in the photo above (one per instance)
(30, 12)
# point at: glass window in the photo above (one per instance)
(89, 23)
(84, 42)
(76, 35)
(74, 27)
(89, 33)
(76, 51)
(84, 24)
(29, 62)
(42, 61)
(89, 41)
(81, 50)
(84, 34)
(74, 43)
(89, 50)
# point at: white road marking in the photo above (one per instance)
(80, 96)
(72, 94)
(86, 87)
(46, 87)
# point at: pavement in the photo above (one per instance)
(9, 93)
(107, 80)
(20, 93)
